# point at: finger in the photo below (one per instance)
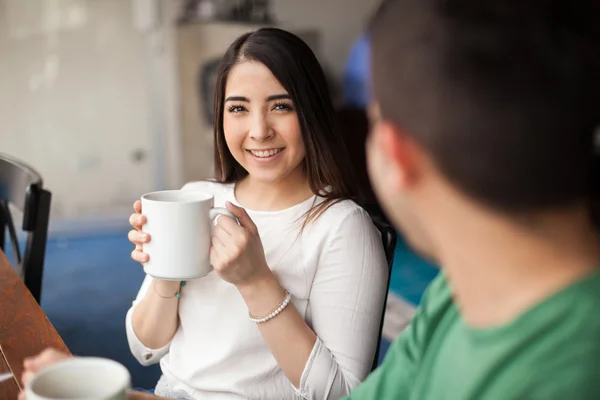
(137, 237)
(214, 257)
(26, 377)
(137, 206)
(45, 358)
(242, 216)
(223, 235)
(218, 243)
(228, 224)
(140, 256)
(137, 221)
(218, 255)
(28, 362)
(33, 361)
(21, 395)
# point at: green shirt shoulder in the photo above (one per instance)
(549, 352)
(394, 378)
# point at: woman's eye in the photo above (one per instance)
(235, 109)
(282, 107)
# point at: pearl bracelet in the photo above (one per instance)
(274, 312)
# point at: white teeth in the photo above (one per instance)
(265, 153)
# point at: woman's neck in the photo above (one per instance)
(272, 196)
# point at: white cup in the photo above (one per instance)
(80, 378)
(180, 223)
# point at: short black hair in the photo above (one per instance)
(503, 95)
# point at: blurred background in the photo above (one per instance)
(110, 99)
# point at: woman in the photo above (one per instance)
(293, 306)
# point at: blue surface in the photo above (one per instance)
(90, 281)
(89, 284)
(356, 79)
(383, 348)
(410, 274)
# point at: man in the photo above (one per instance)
(481, 152)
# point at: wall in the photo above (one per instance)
(339, 22)
(88, 97)
(74, 101)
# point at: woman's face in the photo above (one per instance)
(260, 122)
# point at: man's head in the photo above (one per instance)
(496, 99)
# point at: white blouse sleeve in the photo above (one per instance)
(345, 307)
(143, 354)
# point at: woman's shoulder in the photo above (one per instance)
(348, 225)
(209, 186)
(344, 212)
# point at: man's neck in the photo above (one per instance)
(499, 268)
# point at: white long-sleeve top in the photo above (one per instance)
(337, 274)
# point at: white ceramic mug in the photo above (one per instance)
(180, 224)
(80, 378)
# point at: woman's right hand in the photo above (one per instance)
(136, 236)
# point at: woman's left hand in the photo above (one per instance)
(237, 253)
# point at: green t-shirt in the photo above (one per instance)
(552, 351)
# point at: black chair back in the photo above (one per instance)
(22, 186)
(389, 238)
(354, 123)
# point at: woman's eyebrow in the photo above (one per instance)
(282, 96)
(279, 97)
(237, 98)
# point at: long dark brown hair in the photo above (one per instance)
(296, 68)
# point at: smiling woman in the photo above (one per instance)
(261, 126)
(293, 307)
(274, 86)
(294, 304)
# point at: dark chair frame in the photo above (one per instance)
(389, 238)
(354, 124)
(22, 186)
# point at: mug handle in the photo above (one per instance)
(215, 212)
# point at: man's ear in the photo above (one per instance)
(399, 152)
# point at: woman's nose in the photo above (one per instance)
(261, 129)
